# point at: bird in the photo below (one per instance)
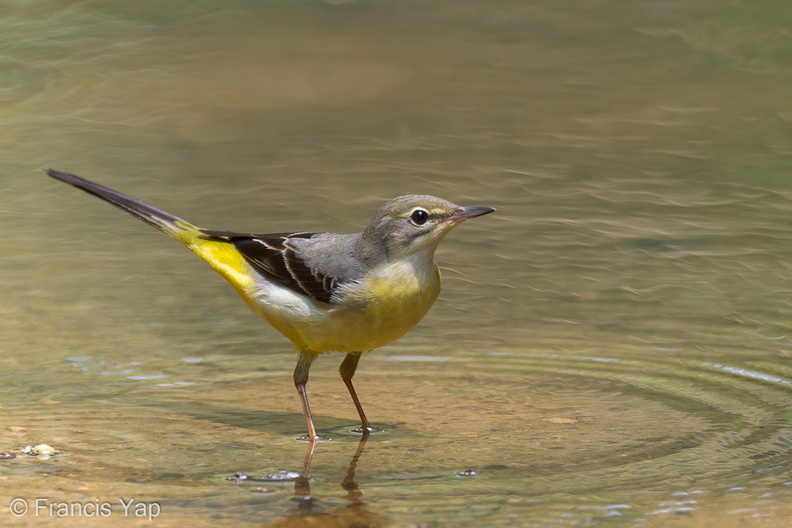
(325, 292)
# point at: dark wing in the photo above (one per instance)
(273, 256)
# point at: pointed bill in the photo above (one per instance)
(463, 213)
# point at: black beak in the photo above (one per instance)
(463, 213)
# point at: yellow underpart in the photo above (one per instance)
(365, 315)
(383, 307)
(227, 261)
(221, 255)
(224, 258)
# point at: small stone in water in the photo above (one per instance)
(44, 449)
(41, 451)
(280, 475)
(237, 477)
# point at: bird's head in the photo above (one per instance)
(415, 224)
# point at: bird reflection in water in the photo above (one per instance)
(308, 513)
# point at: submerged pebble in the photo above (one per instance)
(237, 478)
(40, 451)
(280, 476)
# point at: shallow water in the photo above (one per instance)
(611, 347)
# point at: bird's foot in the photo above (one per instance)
(317, 438)
(366, 430)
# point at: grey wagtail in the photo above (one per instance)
(325, 292)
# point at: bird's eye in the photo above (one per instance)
(419, 217)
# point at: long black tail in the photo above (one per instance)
(166, 222)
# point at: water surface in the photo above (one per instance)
(611, 347)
